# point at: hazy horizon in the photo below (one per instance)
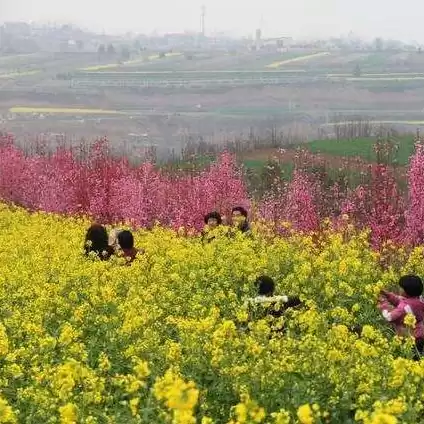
(315, 18)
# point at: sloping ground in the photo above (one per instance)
(362, 147)
(329, 161)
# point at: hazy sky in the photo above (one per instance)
(368, 18)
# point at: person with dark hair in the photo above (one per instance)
(126, 243)
(239, 219)
(266, 303)
(213, 220)
(265, 286)
(396, 307)
(97, 242)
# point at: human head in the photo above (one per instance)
(412, 285)
(126, 239)
(96, 240)
(213, 219)
(239, 215)
(265, 285)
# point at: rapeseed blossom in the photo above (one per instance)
(169, 339)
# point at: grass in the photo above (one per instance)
(296, 59)
(387, 74)
(400, 122)
(389, 78)
(60, 110)
(362, 147)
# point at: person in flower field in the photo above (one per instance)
(125, 240)
(97, 242)
(267, 304)
(239, 219)
(395, 308)
(212, 220)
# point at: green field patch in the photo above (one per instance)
(361, 147)
(378, 75)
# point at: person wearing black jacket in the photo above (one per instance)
(266, 305)
(239, 218)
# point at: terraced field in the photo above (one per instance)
(187, 79)
(401, 71)
(204, 61)
(209, 93)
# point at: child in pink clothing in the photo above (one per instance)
(395, 307)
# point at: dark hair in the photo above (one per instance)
(240, 209)
(265, 285)
(412, 285)
(126, 239)
(213, 215)
(293, 302)
(97, 240)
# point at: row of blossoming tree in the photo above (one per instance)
(111, 189)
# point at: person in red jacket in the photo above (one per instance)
(396, 307)
(126, 243)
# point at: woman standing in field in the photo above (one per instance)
(213, 221)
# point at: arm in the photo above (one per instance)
(398, 313)
(392, 298)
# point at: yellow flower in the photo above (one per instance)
(68, 414)
(381, 418)
(4, 341)
(410, 320)
(104, 363)
(305, 414)
(95, 342)
(134, 402)
(7, 416)
(281, 417)
(180, 397)
(142, 370)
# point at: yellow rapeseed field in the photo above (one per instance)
(297, 59)
(168, 339)
(63, 110)
(14, 75)
(128, 62)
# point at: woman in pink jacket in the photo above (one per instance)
(395, 308)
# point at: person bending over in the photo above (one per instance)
(267, 305)
(396, 307)
(97, 242)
